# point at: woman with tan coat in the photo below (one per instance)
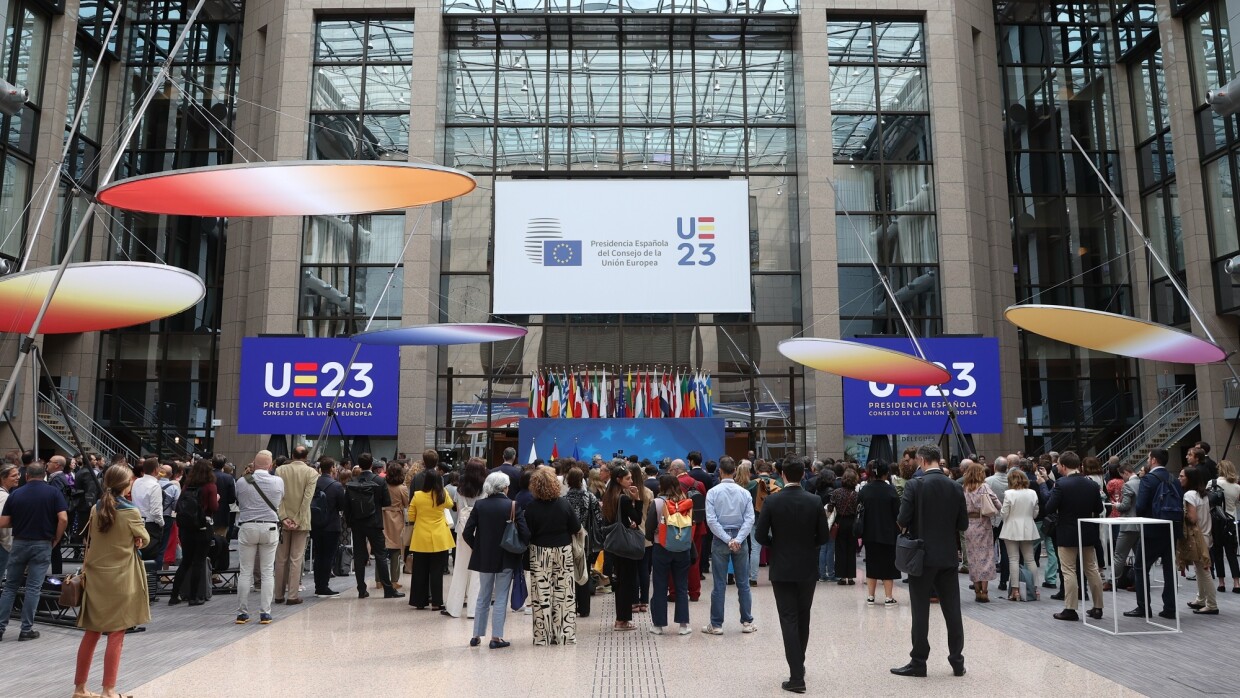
(115, 593)
(395, 531)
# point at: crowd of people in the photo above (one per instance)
(543, 539)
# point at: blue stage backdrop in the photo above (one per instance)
(287, 384)
(882, 408)
(648, 438)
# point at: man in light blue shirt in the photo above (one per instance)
(729, 515)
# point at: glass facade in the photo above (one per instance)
(1069, 246)
(1211, 55)
(624, 96)
(359, 111)
(157, 381)
(22, 63)
(885, 207)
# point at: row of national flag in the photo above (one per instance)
(586, 394)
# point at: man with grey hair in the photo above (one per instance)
(998, 484)
(38, 515)
(259, 496)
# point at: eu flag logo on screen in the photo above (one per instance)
(562, 253)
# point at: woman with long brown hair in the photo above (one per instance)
(979, 537)
(115, 592)
(196, 541)
(621, 505)
(670, 514)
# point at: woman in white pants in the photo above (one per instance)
(1019, 533)
(468, 490)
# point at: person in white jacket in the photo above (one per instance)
(1019, 533)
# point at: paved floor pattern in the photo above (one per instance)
(352, 647)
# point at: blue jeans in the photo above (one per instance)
(497, 584)
(30, 558)
(755, 558)
(4, 563)
(677, 565)
(826, 560)
(720, 556)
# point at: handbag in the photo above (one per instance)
(511, 540)
(625, 542)
(859, 524)
(910, 551)
(74, 586)
(832, 515)
(987, 507)
(520, 592)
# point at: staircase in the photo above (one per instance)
(1169, 421)
(55, 424)
(145, 425)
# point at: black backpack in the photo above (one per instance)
(190, 516)
(1222, 526)
(320, 516)
(362, 501)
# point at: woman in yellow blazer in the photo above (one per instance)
(115, 594)
(431, 541)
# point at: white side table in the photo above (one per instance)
(1160, 626)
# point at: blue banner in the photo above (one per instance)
(973, 362)
(288, 383)
(646, 438)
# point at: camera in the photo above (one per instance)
(1225, 100)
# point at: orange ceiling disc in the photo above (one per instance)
(288, 188)
(863, 361)
(1114, 334)
(97, 296)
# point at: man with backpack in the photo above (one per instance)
(259, 496)
(325, 510)
(1158, 497)
(365, 496)
(294, 517)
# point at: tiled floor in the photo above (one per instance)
(351, 647)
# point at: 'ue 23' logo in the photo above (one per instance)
(303, 379)
(701, 229)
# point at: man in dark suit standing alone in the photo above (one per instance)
(792, 526)
(933, 508)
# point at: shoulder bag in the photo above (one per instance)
(511, 540)
(910, 551)
(859, 523)
(74, 586)
(987, 507)
(625, 542)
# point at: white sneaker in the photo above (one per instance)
(656, 630)
(748, 628)
(889, 603)
(529, 610)
(685, 630)
(712, 630)
(869, 601)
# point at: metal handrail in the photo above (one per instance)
(93, 433)
(1175, 405)
(147, 416)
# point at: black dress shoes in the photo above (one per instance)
(1057, 597)
(1095, 613)
(1169, 615)
(1135, 613)
(910, 669)
(793, 686)
(958, 670)
(1067, 614)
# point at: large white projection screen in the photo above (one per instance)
(621, 246)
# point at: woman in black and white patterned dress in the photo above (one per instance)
(553, 597)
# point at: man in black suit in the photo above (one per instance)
(933, 509)
(1157, 537)
(1076, 497)
(792, 526)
